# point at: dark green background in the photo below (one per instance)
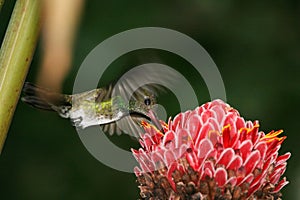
(255, 45)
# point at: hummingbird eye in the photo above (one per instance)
(147, 101)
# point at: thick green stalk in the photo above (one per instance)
(15, 57)
(1, 4)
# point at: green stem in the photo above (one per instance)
(1, 4)
(15, 57)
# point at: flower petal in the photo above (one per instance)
(235, 163)
(194, 125)
(220, 176)
(245, 149)
(283, 158)
(251, 162)
(226, 157)
(280, 185)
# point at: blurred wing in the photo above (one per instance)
(128, 89)
(147, 79)
(130, 125)
(105, 93)
(141, 81)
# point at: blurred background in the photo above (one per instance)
(256, 46)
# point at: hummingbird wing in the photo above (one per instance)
(134, 86)
(132, 89)
(128, 89)
(130, 125)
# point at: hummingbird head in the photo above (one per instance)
(145, 106)
(142, 104)
(138, 104)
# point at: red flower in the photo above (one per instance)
(210, 153)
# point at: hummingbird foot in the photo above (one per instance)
(77, 122)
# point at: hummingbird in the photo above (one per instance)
(98, 107)
(119, 107)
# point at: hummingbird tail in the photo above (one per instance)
(42, 99)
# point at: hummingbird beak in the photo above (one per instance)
(155, 120)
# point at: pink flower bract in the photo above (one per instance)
(210, 153)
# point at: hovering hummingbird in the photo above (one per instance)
(97, 107)
(118, 107)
